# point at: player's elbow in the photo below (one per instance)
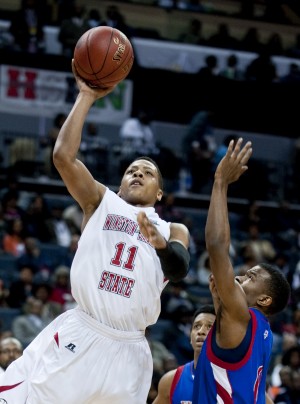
(175, 260)
(177, 275)
(60, 156)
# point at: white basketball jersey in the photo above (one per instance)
(116, 276)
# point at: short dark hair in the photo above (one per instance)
(160, 178)
(207, 308)
(278, 288)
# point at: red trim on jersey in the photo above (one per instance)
(227, 399)
(226, 365)
(5, 388)
(176, 378)
(56, 338)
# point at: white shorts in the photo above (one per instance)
(77, 360)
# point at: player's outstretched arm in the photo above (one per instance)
(164, 388)
(73, 172)
(217, 230)
(173, 254)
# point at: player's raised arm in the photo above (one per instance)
(79, 181)
(217, 231)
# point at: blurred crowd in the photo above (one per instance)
(26, 30)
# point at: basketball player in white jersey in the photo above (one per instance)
(97, 352)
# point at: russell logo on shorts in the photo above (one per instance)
(2, 401)
(71, 347)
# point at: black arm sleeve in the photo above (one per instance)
(174, 260)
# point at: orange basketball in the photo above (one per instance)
(103, 56)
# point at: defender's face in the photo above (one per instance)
(253, 283)
(140, 184)
(200, 328)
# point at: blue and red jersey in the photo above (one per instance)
(238, 382)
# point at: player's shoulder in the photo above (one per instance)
(167, 379)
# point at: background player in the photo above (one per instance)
(176, 386)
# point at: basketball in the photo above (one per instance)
(103, 56)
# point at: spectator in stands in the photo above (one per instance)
(42, 291)
(58, 228)
(71, 250)
(210, 69)
(34, 257)
(27, 27)
(28, 325)
(247, 259)
(222, 38)
(293, 74)
(199, 147)
(290, 358)
(94, 18)
(10, 350)
(170, 164)
(193, 33)
(10, 205)
(14, 238)
(274, 44)
(115, 19)
(263, 247)
(281, 393)
(232, 70)
(61, 292)
(94, 151)
(262, 69)
(203, 269)
(137, 137)
(185, 4)
(168, 210)
(48, 143)
(73, 215)
(72, 28)
(294, 50)
(163, 359)
(251, 41)
(4, 292)
(36, 215)
(21, 288)
(296, 289)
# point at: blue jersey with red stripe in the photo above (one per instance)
(242, 382)
(182, 385)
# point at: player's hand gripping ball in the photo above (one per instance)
(103, 56)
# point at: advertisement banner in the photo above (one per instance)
(41, 92)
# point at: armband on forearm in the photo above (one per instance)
(174, 260)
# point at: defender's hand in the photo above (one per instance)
(234, 163)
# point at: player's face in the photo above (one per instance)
(200, 328)
(253, 284)
(140, 184)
